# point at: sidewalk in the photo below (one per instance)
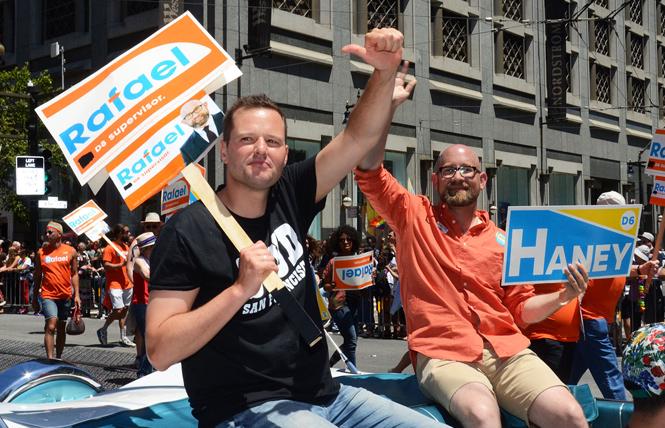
(112, 365)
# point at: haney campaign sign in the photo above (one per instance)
(184, 136)
(353, 272)
(656, 161)
(98, 118)
(84, 217)
(542, 241)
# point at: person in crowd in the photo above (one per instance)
(24, 270)
(463, 327)
(644, 375)
(243, 363)
(151, 223)
(145, 243)
(85, 275)
(345, 241)
(633, 305)
(594, 351)
(56, 281)
(118, 287)
(646, 238)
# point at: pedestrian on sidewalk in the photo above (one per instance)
(118, 286)
(56, 276)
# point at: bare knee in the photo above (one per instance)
(556, 408)
(475, 406)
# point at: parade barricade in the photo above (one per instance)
(16, 290)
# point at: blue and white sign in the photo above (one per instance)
(542, 241)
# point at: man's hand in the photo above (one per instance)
(382, 50)
(256, 263)
(403, 89)
(650, 268)
(578, 279)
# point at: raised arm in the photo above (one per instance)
(371, 115)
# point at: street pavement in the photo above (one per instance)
(113, 365)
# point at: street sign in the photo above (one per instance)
(30, 175)
(53, 203)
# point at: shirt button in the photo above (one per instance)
(464, 284)
(454, 222)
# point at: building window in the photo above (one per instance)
(600, 34)
(661, 104)
(562, 189)
(512, 9)
(635, 11)
(59, 17)
(661, 61)
(603, 3)
(510, 60)
(601, 83)
(636, 95)
(512, 189)
(297, 7)
(636, 53)
(570, 64)
(455, 37)
(134, 7)
(661, 20)
(382, 14)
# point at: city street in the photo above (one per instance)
(113, 365)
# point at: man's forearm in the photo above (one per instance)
(539, 307)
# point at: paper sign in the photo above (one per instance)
(177, 195)
(95, 120)
(184, 136)
(353, 272)
(658, 192)
(96, 232)
(84, 217)
(542, 241)
(656, 161)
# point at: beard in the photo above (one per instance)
(461, 197)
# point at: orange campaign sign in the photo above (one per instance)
(658, 192)
(353, 272)
(656, 162)
(85, 217)
(97, 119)
(178, 195)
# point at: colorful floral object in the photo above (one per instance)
(644, 361)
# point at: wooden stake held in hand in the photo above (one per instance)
(297, 316)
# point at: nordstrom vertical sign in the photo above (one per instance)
(557, 61)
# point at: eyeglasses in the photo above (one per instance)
(465, 171)
(196, 110)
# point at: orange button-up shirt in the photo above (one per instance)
(601, 297)
(450, 282)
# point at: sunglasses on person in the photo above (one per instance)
(465, 171)
(151, 226)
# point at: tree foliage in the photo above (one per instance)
(14, 119)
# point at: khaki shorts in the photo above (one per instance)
(516, 382)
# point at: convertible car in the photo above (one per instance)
(50, 393)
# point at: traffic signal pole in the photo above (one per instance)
(33, 150)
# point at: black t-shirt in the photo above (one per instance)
(257, 356)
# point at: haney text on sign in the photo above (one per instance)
(542, 241)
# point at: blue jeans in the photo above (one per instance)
(56, 308)
(353, 407)
(596, 353)
(347, 328)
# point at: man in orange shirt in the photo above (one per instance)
(467, 348)
(118, 286)
(56, 273)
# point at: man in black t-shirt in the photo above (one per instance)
(243, 364)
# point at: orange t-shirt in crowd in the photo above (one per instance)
(116, 278)
(563, 325)
(601, 298)
(450, 282)
(56, 267)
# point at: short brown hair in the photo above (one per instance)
(249, 102)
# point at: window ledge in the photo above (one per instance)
(599, 124)
(514, 104)
(573, 118)
(603, 108)
(454, 67)
(300, 24)
(639, 134)
(638, 117)
(514, 83)
(284, 49)
(455, 90)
